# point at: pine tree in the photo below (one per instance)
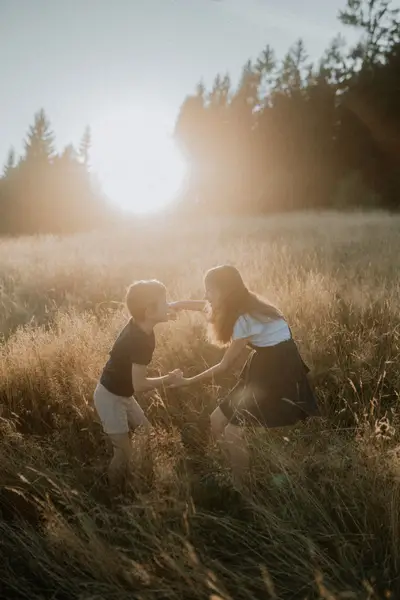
(191, 122)
(10, 163)
(247, 91)
(39, 145)
(333, 66)
(291, 76)
(85, 146)
(380, 27)
(69, 154)
(265, 67)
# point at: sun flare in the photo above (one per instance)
(138, 163)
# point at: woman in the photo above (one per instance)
(273, 389)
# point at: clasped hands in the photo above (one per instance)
(176, 379)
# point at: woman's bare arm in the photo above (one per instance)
(142, 383)
(193, 305)
(230, 356)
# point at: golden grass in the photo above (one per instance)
(322, 518)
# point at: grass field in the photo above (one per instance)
(322, 519)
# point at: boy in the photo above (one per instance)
(125, 372)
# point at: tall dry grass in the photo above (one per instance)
(322, 517)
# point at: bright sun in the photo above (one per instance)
(139, 165)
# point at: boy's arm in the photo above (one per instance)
(193, 305)
(142, 383)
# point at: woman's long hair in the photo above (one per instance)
(234, 300)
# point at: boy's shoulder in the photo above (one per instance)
(133, 339)
(141, 344)
(126, 331)
(136, 335)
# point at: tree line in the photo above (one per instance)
(291, 135)
(294, 134)
(44, 191)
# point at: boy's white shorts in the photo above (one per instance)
(117, 413)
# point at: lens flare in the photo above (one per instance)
(137, 161)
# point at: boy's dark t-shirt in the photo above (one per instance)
(133, 346)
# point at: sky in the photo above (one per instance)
(84, 60)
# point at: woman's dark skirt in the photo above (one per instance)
(273, 389)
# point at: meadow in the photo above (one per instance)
(322, 517)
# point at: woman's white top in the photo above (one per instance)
(261, 333)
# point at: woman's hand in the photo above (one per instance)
(177, 379)
(174, 378)
(228, 359)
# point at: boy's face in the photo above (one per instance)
(158, 313)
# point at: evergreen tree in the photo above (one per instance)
(379, 25)
(333, 66)
(265, 66)
(39, 146)
(368, 113)
(291, 75)
(10, 163)
(49, 192)
(69, 154)
(85, 146)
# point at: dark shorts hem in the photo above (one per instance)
(273, 390)
(258, 416)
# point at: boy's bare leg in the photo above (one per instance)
(142, 427)
(121, 460)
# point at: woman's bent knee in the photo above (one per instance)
(218, 422)
(233, 433)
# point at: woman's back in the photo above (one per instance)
(261, 332)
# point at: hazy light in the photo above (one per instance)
(137, 161)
